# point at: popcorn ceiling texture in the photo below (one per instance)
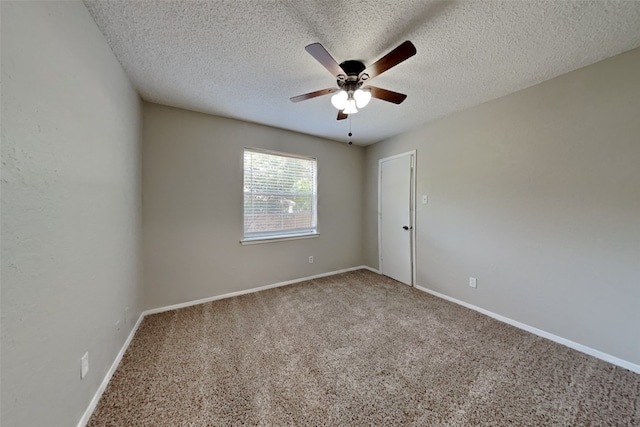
(356, 349)
(245, 59)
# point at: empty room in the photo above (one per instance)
(279, 212)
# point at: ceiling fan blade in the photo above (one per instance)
(342, 116)
(405, 51)
(322, 56)
(387, 95)
(313, 94)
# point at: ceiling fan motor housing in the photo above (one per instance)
(351, 81)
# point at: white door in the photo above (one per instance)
(395, 223)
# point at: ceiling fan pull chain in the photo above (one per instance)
(350, 142)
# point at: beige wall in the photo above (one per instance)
(536, 194)
(192, 214)
(71, 215)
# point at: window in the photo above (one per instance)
(280, 195)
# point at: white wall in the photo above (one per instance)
(193, 197)
(71, 210)
(536, 194)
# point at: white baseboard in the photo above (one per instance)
(574, 345)
(103, 386)
(250, 291)
(366, 267)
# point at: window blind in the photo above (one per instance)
(280, 194)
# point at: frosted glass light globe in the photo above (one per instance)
(339, 100)
(351, 107)
(362, 97)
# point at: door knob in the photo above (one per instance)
(405, 227)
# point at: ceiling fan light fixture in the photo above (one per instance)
(362, 97)
(339, 100)
(351, 107)
(350, 75)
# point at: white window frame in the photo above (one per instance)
(276, 236)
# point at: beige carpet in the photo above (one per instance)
(356, 349)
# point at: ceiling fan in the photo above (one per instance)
(351, 76)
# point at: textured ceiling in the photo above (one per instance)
(244, 59)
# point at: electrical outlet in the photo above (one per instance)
(84, 362)
(473, 282)
(425, 199)
(310, 260)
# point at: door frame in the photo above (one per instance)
(412, 210)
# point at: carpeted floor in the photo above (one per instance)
(356, 349)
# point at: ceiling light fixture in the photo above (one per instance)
(350, 108)
(362, 97)
(352, 74)
(339, 100)
(348, 101)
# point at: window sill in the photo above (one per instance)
(259, 240)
